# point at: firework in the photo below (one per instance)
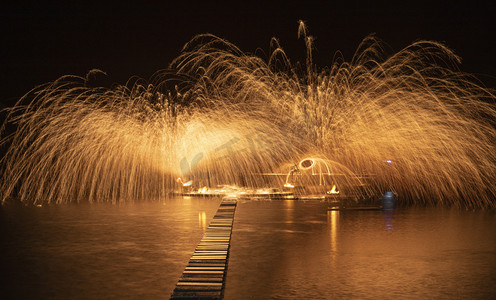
(220, 116)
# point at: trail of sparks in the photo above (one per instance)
(231, 116)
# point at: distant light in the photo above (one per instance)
(188, 183)
(333, 191)
(388, 161)
(288, 185)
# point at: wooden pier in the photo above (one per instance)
(204, 276)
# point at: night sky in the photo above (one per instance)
(41, 42)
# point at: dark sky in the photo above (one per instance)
(41, 42)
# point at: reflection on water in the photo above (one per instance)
(388, 219)
(279, 250)
(202, 221)
(332, 221)
(414, 253)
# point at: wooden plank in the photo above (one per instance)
(202, 272)
(201, 279)
(220, 268)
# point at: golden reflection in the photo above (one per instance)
(202, 220)
(289, 208)
(289, 204)
(187, 200)
(332, 221)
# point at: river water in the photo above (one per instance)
(279, 250)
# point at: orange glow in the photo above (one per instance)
(333, 191)
(240, 116)
(333, 222)
(332, 216)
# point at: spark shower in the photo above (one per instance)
(221, 116)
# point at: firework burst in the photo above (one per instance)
(219, 115)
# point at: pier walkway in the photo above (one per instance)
(204, 276)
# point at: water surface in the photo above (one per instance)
(100, 251)
(279, 250)
(295, 250)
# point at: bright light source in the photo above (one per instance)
(333, 191)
